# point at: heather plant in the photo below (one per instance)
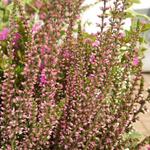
(62, 88)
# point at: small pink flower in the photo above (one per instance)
(44, 49)
(4, 34)
(121, 34)
(91, 77)
(144, 22)
(146, 147)
(42, 16)
(6, 2)
(43, 80)
(54, 72)
(96, 43)
(67, 54)
(88, 41)
(38, 4)
(78, 17)
(41, 66)
(36, 27)
(92, 59)
(16, 38)
(135, 61)
(136, 50)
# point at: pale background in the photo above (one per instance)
(91, 16)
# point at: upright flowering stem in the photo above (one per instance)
(59, 91)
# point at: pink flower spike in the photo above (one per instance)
(16, 38)
(96, 43)
(135, 61)
(4, 34)
(43, 50)
(43, 80)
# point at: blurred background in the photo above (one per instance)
(89, 19)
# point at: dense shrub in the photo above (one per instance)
(62, 88)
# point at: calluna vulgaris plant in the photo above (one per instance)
(62, 91)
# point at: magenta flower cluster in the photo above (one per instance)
(4, 34)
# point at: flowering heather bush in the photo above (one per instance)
(65, 92)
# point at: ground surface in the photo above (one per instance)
(143, 125)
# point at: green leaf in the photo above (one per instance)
(142, 16)
(124, 48)
(27, 1)
(133, 14)
(19, 69)
(62, 32)
(142, 40)
(134, 135)
(146, 27)
(129, 14)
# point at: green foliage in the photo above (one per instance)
(132, 139)
(132, 14)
